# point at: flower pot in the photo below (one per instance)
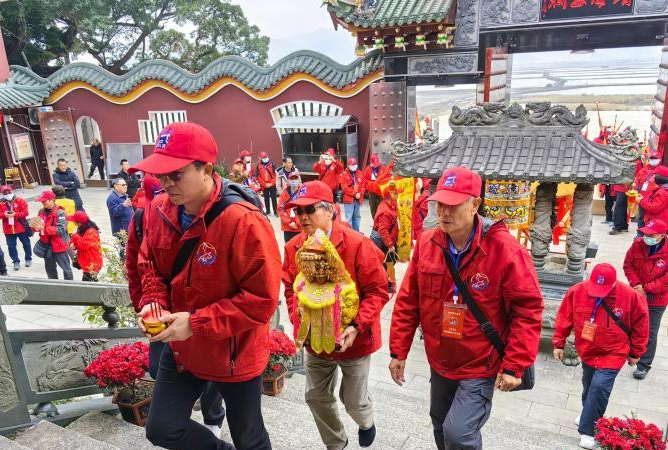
(134, 413)
(273, 384)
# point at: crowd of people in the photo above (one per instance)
(204, 251)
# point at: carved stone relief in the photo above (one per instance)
(12, 294)
(495, 12)
(466, 23)
(9, 395)
(526, 11)
(651, 6)
(115, 297)
(443, 64)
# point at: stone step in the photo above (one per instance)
(7, 444)
(47, 436)
(113, 431)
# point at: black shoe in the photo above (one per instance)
(28, 263)
(367, 436)
(614, 231)
(606, 222)
(3, 273)
(640, 373)
(17, 266)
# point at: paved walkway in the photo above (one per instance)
(552, 405)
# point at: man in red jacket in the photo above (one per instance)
(329, 170)
(371, 174)
(420, 209)
(592, 308)
(385, 232)
(266, 174)
(352, 185)
(14, 213)
(51, 225)
(363, 262)
(645, 268)
(655, 201)
(219, 276)
(501, 279)
(644, 173)
(289, 220)
(620, 222)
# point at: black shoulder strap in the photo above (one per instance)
(139, 224)
(617, 320)
(485, 326)
(189, 246)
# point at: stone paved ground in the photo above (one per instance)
(552, 405)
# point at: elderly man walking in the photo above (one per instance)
(359, 339)
(496, 278)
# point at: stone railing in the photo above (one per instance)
(38, 367)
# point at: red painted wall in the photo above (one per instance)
(234, 118)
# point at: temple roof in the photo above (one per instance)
(388, 13)
(539, 143)
(21, 91)
(255, 78)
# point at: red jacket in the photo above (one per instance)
(611, 346)
(89, 250)
(642, 179)
(370, 182)
(132, 254)
(288, 215)
(503, 282)
(618, 188)
(329, 174)
(649, 271)
(351, 186)
(655, 204)
(230, 286)
(266, 174)
(55, 227)
(20, 208)
(420, 211)
(386, 223)
(364, 262)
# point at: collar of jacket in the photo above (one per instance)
(481, 232)
(661, 253)
(170, 212)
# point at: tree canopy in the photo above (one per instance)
(121, 33)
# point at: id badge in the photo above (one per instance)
(588, 331)
(453, 321)
(292, 213)
(645, 185)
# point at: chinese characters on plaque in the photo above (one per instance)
(575, 9)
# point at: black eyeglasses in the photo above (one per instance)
(310, 209)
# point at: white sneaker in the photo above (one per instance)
(215, 429)
(577, 420)
(587, 442)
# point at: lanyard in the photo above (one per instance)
(599, 301)
(353, 175)
(457, 256)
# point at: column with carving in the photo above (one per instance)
(580, 232)
(541, 230)
(13, 409)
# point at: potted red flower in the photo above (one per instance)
(121, 369)
(628, 434)
(281, 353)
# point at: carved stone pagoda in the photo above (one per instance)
(543, 143)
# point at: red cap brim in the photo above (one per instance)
(304, 201)
(649, 230)
(158, 163)
(599, 290)
(449, 198)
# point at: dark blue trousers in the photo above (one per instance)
(211, 400)
(596, 388)
(11, 245)
(169, 423)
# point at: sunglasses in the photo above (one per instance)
(172, 176)
(310, 209)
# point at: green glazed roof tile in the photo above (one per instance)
(23, 88)
(393, 13)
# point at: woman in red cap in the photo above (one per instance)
(266, 174)
(329, 170)
(289, 220)
(371, 174)
(14, 212)
(352, 185)
(646, 269)
(386, 231)
(610, 320)
(86, 246)
(655, 202)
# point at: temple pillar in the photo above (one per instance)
(580, 232)
(541, 230)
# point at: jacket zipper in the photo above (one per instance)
(233, 354)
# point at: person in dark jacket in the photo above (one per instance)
(51, 226)
(96, 159)
(120, 207)
(132, 180)
(65, 177)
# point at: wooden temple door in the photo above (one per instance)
(60, 141)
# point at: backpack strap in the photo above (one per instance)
(139, 224)
(617, 320)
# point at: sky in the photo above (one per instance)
(297, 25)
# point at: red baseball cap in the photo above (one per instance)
(294, 175)
(375, 160)
(46, 195)
(331, 152)
(263, 155)
(238, 161)
(6, 188)
(245, 153)
(352, 162)
(602, 280)
(311, 193)
(151, 186)
(178, 145)
(78, 217)
(456, 186)
(654, 226)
